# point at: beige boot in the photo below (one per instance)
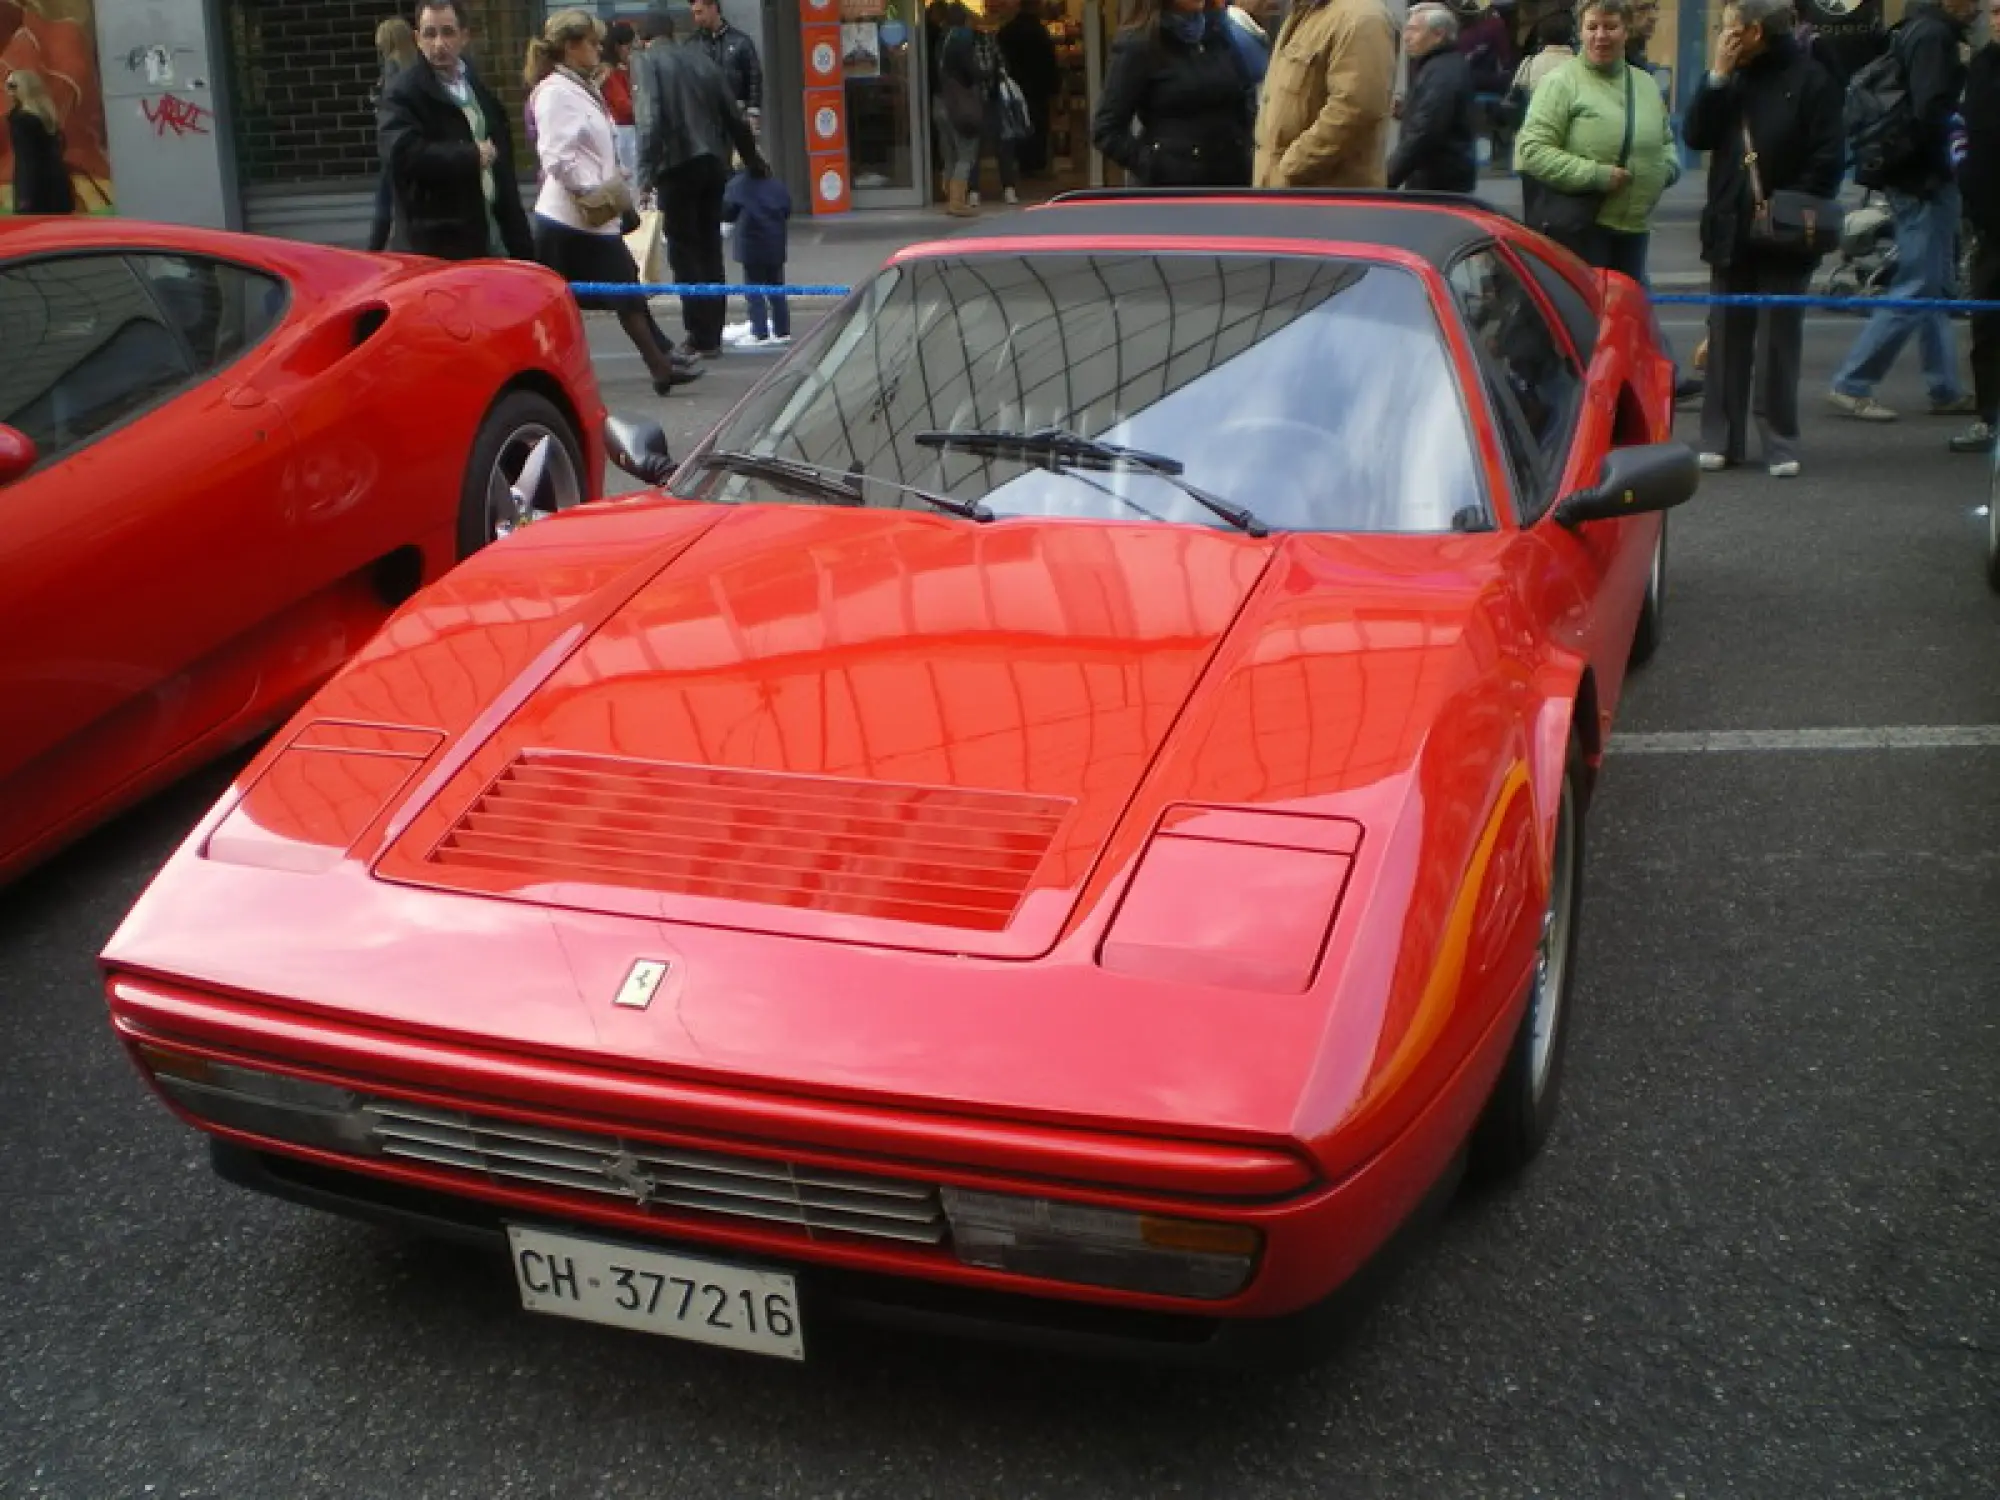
(958, 207)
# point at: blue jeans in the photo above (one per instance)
(768, 315)
(1926, 250)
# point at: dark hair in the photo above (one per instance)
(955, 14)
(457, 8)
(1557, 29)
(619, 34)
(657, 25)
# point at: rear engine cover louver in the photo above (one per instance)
(943, 856)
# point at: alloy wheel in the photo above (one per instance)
(532, 478)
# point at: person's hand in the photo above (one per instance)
(1620, 177)
(1728, 46)
(487, 155)
(1396, 108)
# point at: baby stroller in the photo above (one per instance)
(1866, 264)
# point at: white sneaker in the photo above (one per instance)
(733, 331)
(1713, 462)
(1010, 196)
(779, 340)
(972, 200)
(1789, 469)
(751, 341)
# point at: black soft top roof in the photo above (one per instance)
(1438, 227)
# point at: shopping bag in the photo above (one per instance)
(648, 244)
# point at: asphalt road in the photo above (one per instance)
(1761, 1256)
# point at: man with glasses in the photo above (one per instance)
(445, 144)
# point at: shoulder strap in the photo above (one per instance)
(1625, 151)
(1750, 165)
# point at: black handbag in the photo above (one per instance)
(1789, 222)
(1569, 218)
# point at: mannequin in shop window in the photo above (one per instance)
(1176, 74)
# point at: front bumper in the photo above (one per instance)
(833, 1295)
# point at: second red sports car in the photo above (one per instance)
(223, 461)
(1066, 821)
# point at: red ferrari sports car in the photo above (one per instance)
(1064, 820)
(224, 460)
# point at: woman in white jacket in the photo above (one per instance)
(585, 203)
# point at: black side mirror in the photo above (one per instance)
(1656, 476)
(17, 453)
(639, 448)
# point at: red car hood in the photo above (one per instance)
(860, 726)
(873, 781)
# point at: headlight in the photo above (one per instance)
(267, 1104)
(1101, 1246)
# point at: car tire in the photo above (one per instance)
(1653, 612)
(518, 423)
(1522, 1107)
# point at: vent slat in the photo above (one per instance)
(941, 856)
(740, 1187)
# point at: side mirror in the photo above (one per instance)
(1657, 476)
(639, 448)
(17, 453)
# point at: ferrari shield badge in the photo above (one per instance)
(642, 982)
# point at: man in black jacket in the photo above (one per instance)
(1924, 200)
(1435, 152)
(731, 50)
(1979, 179)
(446, 147)
(1763, 94)
(687, 123)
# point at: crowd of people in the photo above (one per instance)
(622, 121)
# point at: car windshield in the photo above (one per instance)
(1316, 394)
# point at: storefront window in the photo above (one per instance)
(55, 40)
(878, 48)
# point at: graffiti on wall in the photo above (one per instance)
(56, 39)
(172, 114)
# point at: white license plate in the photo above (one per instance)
(654, 1292)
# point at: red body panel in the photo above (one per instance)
(187, 577)
(1382, 719)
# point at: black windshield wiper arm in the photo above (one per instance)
(1058, 448)
(844, 487)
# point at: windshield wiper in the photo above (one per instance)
(833, 483)
(1058, 448)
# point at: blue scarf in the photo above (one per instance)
(1188, 26)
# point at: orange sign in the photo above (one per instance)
(826, 121)
(821, 46)
(829, 183)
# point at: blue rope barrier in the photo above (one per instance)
(698, 289)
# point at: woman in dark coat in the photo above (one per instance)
(1761, 84)
(1176, 73)
(41, 181)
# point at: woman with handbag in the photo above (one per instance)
(585, 206)
(1770, 119)
(1175, 73)
(1597, 149)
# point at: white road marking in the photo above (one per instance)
(1881, 737)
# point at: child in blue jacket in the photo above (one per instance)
(759, 207)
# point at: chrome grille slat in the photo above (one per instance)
(740, 1187)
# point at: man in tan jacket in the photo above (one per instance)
(1324, 121)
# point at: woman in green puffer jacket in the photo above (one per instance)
(1571, 142)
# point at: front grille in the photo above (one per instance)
(939, 855)
(660, 1177)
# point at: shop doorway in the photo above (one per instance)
(1079, 33)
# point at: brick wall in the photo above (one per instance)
(302, 73)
